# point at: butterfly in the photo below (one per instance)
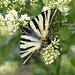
(34, 32)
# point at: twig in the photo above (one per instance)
(52, 31)
(67, 24)
(25, 8)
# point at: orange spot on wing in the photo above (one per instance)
(42, 39)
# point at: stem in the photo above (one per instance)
(58, 68)
(67, 24)
(52, 31)
(25, 8)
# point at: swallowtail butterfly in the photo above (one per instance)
(34, 32)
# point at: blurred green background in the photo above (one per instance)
(64, 65)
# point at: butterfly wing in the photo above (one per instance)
(29, 43)
(42, 23)
(36, 29)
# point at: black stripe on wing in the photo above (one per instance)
(29, 25)
(43, 15)
(52, 16)
(27, 58)
(37, 18)
(21, 42)
(29, 32)
(36, 25)
(27, 40)
(23, 33)
(46, 13)
(23, 49)
(22, 53)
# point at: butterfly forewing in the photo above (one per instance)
(35, 30)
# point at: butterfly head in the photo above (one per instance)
(45, 41)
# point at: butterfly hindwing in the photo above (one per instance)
(29, 43)
(26, 58)
(36, 29)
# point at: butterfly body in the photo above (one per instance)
(35, 32)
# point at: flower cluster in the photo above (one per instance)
(12, 21)
(51, 52)
(12, 4)
(33, 3)
(8, 67)
(62, 5)
(21, 2)
(24, 18)
(5, 2)
(2, 22)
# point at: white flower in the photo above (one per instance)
(61, 4)
(9, 17)
(45, 8)
(24, 17)
(66, 9)
(10, 28)
(60, 0)
(25, 22)
(48, 55)
(69, 0)
(51, 57)
(56, 3)
(12, 21)
(21, 2)
(51, 61)
(45, 59)
(1, 17)
(63, 9)
(14, 30)
(14, 13)
(47, 63)
(9, 23)
(2, 22)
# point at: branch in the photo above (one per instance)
(25, 8)
(67, 24)
(59, 62)
(52, 31)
